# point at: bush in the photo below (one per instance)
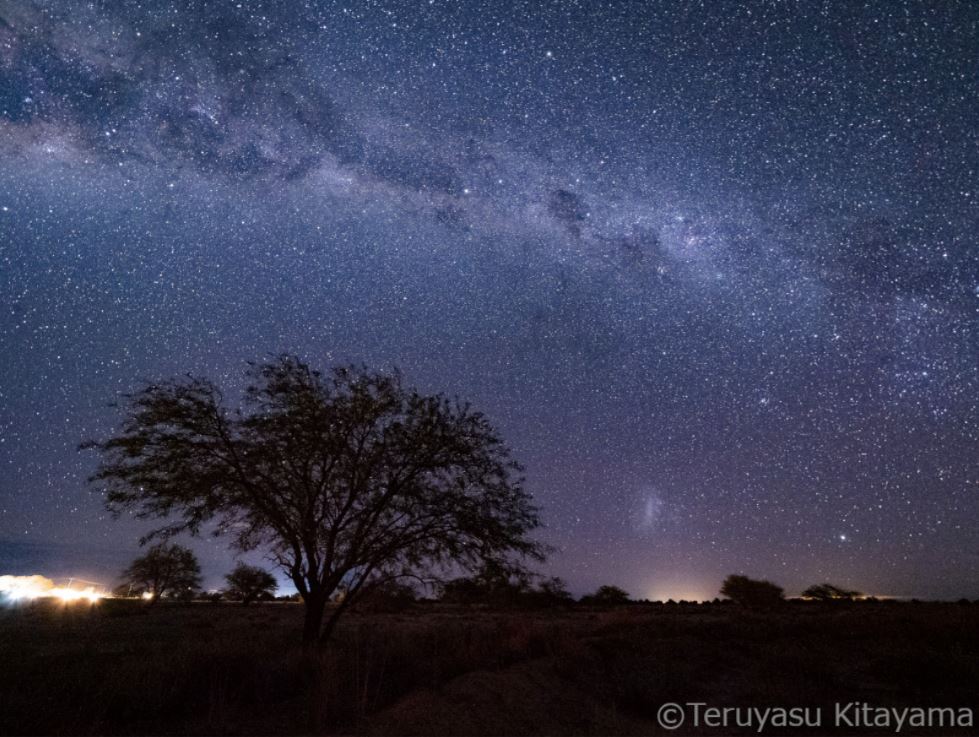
(390, 597)
(494, 585)
(607, 596)
(751, 592)
(550, 592)
(829, 592)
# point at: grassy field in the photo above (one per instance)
(225, 669)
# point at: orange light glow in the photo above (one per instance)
(28, 588)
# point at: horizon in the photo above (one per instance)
(213, 578)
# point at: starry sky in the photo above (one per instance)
(711, 268)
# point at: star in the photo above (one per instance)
(721, 306)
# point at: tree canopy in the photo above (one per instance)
(751, 592)
(164, 570)
(247, 583)
(347, 479)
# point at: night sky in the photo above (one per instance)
(712, 269)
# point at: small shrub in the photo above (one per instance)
(607, 596)
(751, 592)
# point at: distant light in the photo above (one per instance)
(21, 588)
(679, 591)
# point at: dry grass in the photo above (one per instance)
(218, 669)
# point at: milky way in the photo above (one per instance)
(712, 269)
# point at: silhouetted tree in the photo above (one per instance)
(607, 595)
(829, 592)
(348, 479)
(494, 585)
(165, 570)
(498, 588)
(751, 592)
(463, 590)
(247, 583)
(552, 592)
(390, 596)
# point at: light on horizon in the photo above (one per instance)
(15, 589)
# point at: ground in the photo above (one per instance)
(432, 669)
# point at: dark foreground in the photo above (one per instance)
(224, 669)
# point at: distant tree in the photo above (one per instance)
(552, 592)
(165, 570)
(607, 595)
(389, 596)
(462, 590)
(493, 585)
(348, 479)
(248, 583)
(751, 592)
(498, 588)
(829, 592)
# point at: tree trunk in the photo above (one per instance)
(327, 631)
(314, 609)
(315, 606)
